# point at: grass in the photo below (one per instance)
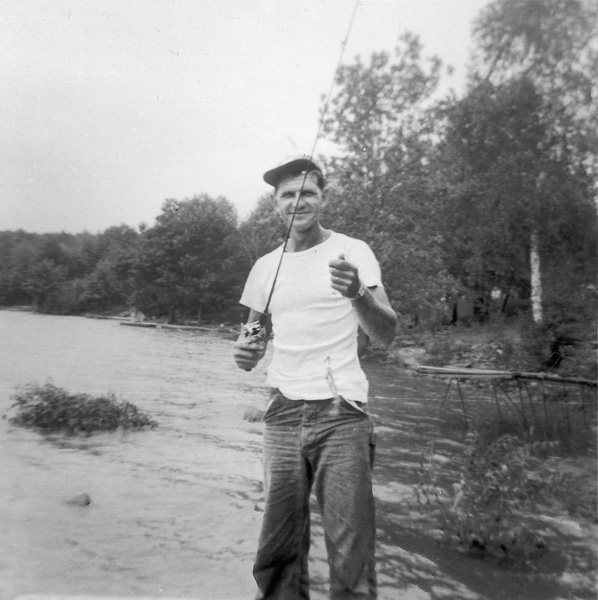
(50, 408)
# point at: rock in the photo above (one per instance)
(80, 500)
(410, 357)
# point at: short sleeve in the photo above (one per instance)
(362, 256)
(254, 292)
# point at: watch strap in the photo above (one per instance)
(360, 292)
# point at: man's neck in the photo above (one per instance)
(300, 240)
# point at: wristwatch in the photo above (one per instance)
(360, 292)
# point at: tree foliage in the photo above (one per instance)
(184, 262)
(554, 45)
(261, 232)
(66, 273)
(517, 155)
(503, 181)
(382, 189)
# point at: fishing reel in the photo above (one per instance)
(253, 333)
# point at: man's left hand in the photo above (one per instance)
(344, 276)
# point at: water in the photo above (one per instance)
(176, 510)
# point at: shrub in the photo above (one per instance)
(485, 510)
(51, 408)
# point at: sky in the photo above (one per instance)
(110, 107)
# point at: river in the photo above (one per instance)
(176, 510)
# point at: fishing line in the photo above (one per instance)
(313, 149)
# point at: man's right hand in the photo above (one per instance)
(248, 352)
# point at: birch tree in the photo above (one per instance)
(510, 200)
(554, 45)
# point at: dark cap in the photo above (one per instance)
(291, 168)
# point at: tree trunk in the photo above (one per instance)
(534, 257)
(536, 281)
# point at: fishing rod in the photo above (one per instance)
(310, 158)
(255, 331)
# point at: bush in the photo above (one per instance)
(485, 510)
(51, 408)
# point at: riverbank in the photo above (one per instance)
(503, 346)
(143, 322)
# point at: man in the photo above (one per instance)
(317, 432)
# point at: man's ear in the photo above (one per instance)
(324, 202)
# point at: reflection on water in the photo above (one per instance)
(176, 510)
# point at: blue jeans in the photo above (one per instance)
(330, 446)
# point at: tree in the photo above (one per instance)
(382, 119)
(111, 282)
(19, 253)
(183, 260)
(44, 281)
(261, 232)
(548, 48)
(553, 44)
(503, 186)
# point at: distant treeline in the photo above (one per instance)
(490, 194)
(190, 262)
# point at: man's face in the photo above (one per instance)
(310, 205)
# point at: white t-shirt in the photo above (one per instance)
(314, 326)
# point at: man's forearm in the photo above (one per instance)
(376, 317)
